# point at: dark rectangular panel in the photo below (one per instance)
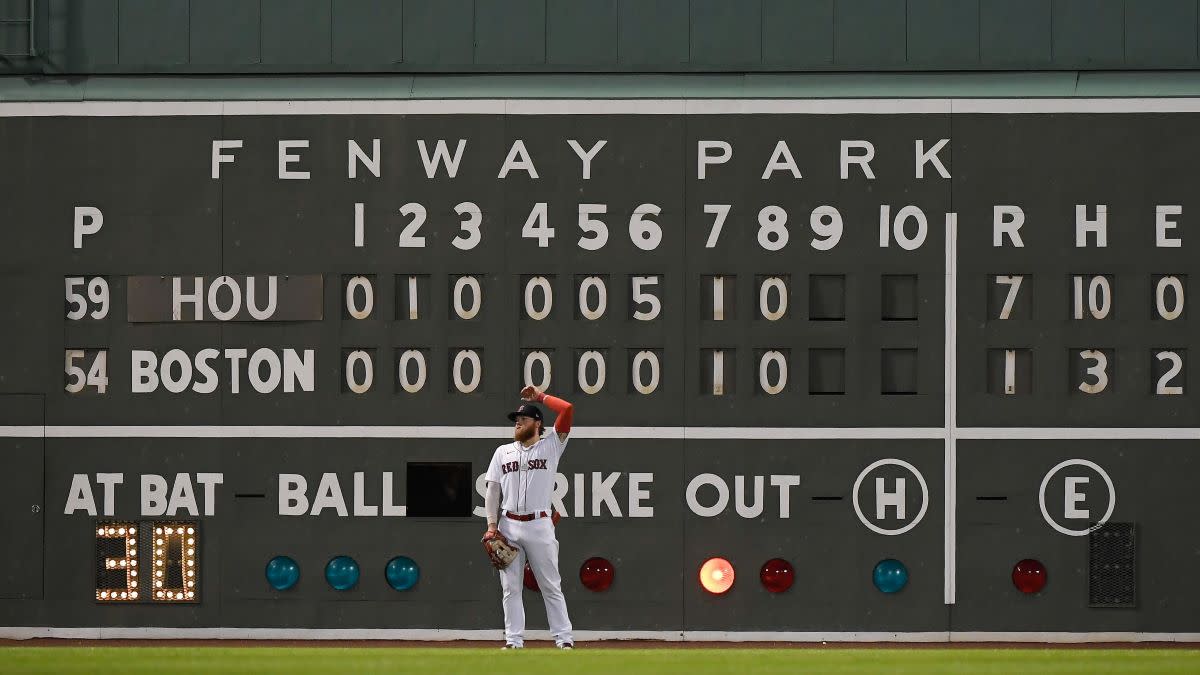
(869, 33)
(153, 32)
(224, 32)
(581, 32)
(439, 32)
(1112, 565)
(21, 499)
(28, 362)
(1014, 33)
(797, 33)
(943, 33)
(1160, 33)
(653, 32)
(1089, 33)
(510, 32)
(439, 489)
(368, 32)
(726, 33)
(296, 32)
(277, 297)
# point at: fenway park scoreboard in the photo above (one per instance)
(906, 368)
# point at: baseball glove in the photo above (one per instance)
(500, 552)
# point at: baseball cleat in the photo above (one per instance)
(512, 646)
(567, 645)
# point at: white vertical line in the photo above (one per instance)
(951, 370)
(1010, 371)
(412, 298)
(718, 388)
(718, 298)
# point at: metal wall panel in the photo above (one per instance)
(22, 500)
(869, 32)
(653, 32)
(510, 32)
(581, 32)
(368, 32)
(152, 33)
(296, 32)
(1088, 33)
(225, 33)
(1015, 33)
(1160, 33)
(943, 31)
(647, 36)
(439, 32)
(797, 34)
(726, 34)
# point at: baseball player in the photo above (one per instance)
(519, 484)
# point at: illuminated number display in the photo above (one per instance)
(117, 562)
(174, 562)
(172, 575)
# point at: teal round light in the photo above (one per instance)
(890, 576)
(282, 572)
(342, 573)
(402, 573)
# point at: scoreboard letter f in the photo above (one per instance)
(219, 158)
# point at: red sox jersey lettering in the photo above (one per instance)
(526, 475)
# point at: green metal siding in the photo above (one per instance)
(367, 32)
(510, 32)
(943, 31)
(1089, 33)
(653, 34)
(224, 33)
(1015, 33)
(797, 35)
(1160, 33)
(296, 32)
(217, 37)
(581, 33)
(726, 32)
(439, 32)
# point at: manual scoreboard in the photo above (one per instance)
(856, 337)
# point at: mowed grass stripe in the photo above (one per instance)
(584, 661)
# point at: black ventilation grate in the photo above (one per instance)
(1112, 563)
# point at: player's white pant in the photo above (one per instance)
(538, 544)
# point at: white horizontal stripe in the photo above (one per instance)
(556, 106)
(1076, 105)
(433, 634)
(657, 433)
(23, 432)
(1079, 433)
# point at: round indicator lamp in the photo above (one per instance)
(596, 574)
(890, 576)
(716, 575)
(342, 573)
(1029, 576)
(282, 572)
(777, 575)
(402, 573)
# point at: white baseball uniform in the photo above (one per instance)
(526, 478)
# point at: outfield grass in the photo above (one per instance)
(584, 661)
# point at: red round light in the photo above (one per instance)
(596, 574)
(1029, 576)
(716, 575)
(777, 575)
(530, 580)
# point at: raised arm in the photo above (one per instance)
(563, 410)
